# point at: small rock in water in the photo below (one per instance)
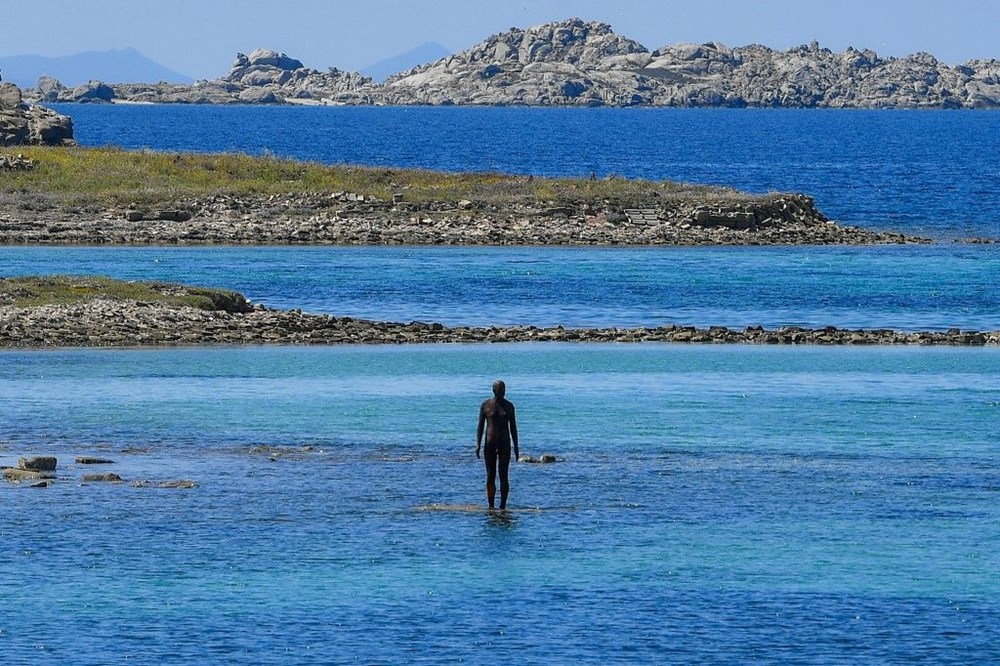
(38, 464)
(108, 477)
(15, 475)
(87, 460)
(179, 483)
(544, 458)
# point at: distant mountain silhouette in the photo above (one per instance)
(116, 66)
(423, 54)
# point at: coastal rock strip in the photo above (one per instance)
(115, 323)
(341, 219)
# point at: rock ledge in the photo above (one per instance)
(341, 218)
(116, 323)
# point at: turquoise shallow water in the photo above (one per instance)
(710, 504)
(932, 287)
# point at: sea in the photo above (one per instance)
(709, 503)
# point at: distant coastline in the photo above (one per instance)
(578, 63)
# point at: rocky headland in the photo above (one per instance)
(23, 124)
(96, 312)
(580, 63)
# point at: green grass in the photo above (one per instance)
(110, 176)
(65, 290)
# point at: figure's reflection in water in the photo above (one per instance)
(500, 518)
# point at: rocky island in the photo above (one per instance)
(42, 312)
(580, 63)
(111, 196)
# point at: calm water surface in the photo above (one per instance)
(711, 504)
(912, 287)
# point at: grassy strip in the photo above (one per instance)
(32, 291)
(116, 176)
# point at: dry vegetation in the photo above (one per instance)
(67, 290)
(112, 176)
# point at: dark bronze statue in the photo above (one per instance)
(496, 417)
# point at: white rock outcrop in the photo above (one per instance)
(581, 63)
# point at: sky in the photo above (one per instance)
(200, 38)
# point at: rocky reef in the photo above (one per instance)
(580, 63)
(24, 124)
(106, 321)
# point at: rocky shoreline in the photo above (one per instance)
(117, 323)
(344, 218)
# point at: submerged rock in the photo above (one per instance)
(275, 452)
(107, 477)
(543, 459)
(16, 475)
(179, 483)
(88, 460)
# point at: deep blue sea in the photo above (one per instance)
(711, 504)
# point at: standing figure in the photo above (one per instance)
(496, 417)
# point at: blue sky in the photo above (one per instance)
(200, 37)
